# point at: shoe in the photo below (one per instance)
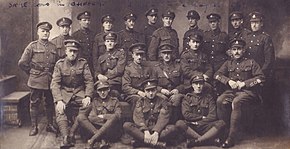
(65, 142)
(104, 145)
(192, 143)
(72, 140)
(217, 142)
(33, 131)
(51, 128)
(161, 145)
(228, 143)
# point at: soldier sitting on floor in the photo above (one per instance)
(151, 116)
(199, 111)
(244, 77)
(102, 118)
(72, 88)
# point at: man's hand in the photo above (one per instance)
(241, 84)
(174, 91)
(101, 116)
(102, 77)
(233, 84)
(154, 138)
(147, 136)
(60, 106)
(86, 101)
(140, 93)
(205, 77)
(165, 91)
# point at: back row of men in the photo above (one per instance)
(118, 59)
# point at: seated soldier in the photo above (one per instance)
(244, 77)
(151, 116)
(199, 111)
(135, 73)
(169, 75)
(102, 118)
(110, 66)
(72, 88)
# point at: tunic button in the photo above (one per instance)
(250, 47)
(238, 75)
(237, 68)
(212, 57)
(254, 35)
(251, 40)
(198, 111)
(212, 46)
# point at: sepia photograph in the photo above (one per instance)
(146, 74)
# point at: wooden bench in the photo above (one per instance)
(14, 106)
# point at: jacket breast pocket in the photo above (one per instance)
(247, 72)
(165, 38)
(34, 72)
(38, 55)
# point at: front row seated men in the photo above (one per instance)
(150, 119)
(102, 118)
(200, 122)
(243, 77)
(72, 88)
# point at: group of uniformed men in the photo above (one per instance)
(198, 93)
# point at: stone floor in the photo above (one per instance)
(17, 138)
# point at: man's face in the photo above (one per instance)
(166, 56)
(107, 25)
(197, 87)
(150, 93)
(194, 45)
(71, 54)
(152, 19)
(110, 44)
(130, 24)
(237, 52)
(137, 57)
(64, 30)
(43, 33)
(85, 22)
(256, 25)
(167, 21)
(214, 25)
(103, 92)
(236, 23)
(192, 22)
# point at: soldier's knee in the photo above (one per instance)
(219, 124)
(170, 128)
(180, 124)
(81, 117)
(176, 99)
(127, 125)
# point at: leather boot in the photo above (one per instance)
(51, 128)
(33, 130)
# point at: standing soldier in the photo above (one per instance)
(64, 27)
(193, 18)
(99, 43)
(199, 110)
(170, 79)
(150, 27)
(165, 34)
(111, 65)
(72, 88)
(244, 77)
(102, 118)
(129, 36)
(237, 20)
(85, 36)
(38, 60)
(151, 116)
(215, 42)
(135, 73)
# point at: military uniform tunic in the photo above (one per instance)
(160, 36)
(191, 31)
(148, 32)
(260, 48)
(112, 65)
(58, 41)
(86, 39)
(238, 33)
(215, 46)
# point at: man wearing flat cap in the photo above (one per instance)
(170, 79)
(194, 60)
(38, 60)
(243, 78)
(72, 88)
(150, 119)
(99, 43)
(64, 28)
(152, 16)
(135, 73)
(193, 18)
(85, 36)
(102, 117)
(200, 122)
(129, 36)
(237, 30)
(165, 34)
(110, 66)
